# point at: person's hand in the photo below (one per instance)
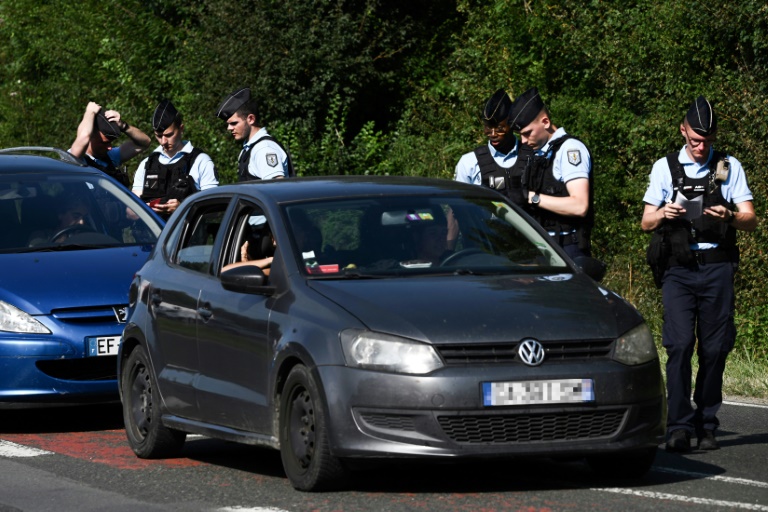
(719, 212)
(113, 116)
(168, 207)
(93, 108)
(672, 211)
(244, 252)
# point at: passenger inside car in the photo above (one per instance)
(256, 248)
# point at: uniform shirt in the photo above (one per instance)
(572, 160)
(468, 169)
(660, 189)
(202, 170)
(268, 160)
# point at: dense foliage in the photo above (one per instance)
(395, 87)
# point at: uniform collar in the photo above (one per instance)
(253, 140)
(560, 132)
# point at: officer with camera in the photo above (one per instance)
(176, 169)
(696, 200)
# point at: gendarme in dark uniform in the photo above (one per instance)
(696, 200)
(500, 163)
(176, 169)
(262, 156)
(560, 180)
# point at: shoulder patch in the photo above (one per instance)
(574, 157)
(272, 159)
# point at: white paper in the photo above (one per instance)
(693, 207)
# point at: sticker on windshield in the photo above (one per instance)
(557, 277)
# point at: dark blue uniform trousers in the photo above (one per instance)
(698, 305)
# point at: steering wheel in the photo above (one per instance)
(69, 231)
(452, 258)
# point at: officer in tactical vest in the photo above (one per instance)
(176, 169)
(97, 132)
(696, 200)
(262, 157)
(500, 163)
(559, 182)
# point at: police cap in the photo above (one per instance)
(525, 109)
(233, 102)
(165, 115)
(109, 129)
(701, 118)
(497, 107)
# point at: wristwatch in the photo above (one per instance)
(535, 200)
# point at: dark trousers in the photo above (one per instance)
(698, 305)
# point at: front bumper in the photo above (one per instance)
(373, 414)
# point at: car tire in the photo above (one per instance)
(304, 447)
(146, 434)
(633, 464)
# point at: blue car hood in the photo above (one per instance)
(460, 309)
(38, 282)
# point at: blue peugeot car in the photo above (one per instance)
(71, 241)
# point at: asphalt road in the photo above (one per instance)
(78, 460)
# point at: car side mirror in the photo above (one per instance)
(246, 279)
(594, 268)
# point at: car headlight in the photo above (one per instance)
(13, 319)
(636, 346)
(386, 353)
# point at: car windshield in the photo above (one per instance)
(417, 235)
(49, 212)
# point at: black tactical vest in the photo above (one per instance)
(704, 229)
(541, 180)
(109, 169)
(245, 158)
(508, 181)
(169, 181)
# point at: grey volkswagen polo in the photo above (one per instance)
(338, 319)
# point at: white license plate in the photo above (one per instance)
(103, 345)
(538, 392)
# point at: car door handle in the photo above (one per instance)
(205, 312)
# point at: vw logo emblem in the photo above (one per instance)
(531, 352)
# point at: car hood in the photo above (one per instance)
(460, 309)
(38, 282)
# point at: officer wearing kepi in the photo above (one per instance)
(262, 156)
(176, 169)
(500, 163)
(559, 182)
(696, 200)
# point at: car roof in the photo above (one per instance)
(328, 187)
(29, 160)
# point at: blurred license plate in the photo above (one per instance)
(538, 392)
(103, 345)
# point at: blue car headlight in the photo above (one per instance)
(13, 319)
(636, 346)
(387, 353)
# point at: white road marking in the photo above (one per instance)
(686, 499)
(9, 449)
(248, 509)
(727, 479)
(746, 404)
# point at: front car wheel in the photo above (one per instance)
(146, 434)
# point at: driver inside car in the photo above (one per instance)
(72, 212)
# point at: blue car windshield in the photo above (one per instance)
(49, 212)
(416, 235)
